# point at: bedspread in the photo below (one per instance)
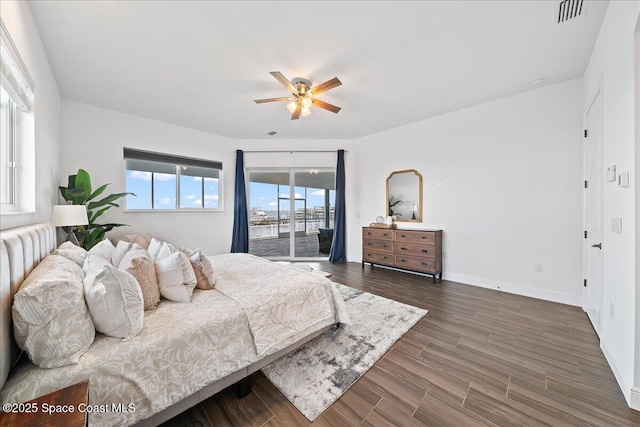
(291, 302)
(182, 348)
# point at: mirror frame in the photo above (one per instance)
(421, 217)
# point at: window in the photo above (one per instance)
(167, 182)
(7, 149)
(17, 137)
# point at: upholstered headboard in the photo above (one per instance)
(21, 249)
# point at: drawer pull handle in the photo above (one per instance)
(385, 235)
(386, 258)
(368, 244)
(403, 249)
(424, 251)
(385, 246)
(424, 263)
(403, 235)
(403, 260)
(425, 237)
(368, 254)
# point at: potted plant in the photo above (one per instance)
(393, 202)
(79, 192)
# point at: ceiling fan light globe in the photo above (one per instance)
(306, 103)
(305, 111)
(292, 106)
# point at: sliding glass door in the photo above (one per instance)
(291, 213)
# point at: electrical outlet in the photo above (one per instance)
(445, 183)
(538, 268)
(611, 309)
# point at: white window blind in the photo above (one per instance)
(15, 78)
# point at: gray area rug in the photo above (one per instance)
(318, 373)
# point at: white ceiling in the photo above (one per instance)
(200, 64)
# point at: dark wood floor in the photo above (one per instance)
(480, 357)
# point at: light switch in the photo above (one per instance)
(616, 225)
(623, 179)
(611, 173)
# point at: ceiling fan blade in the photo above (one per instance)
(326, 106)
(323, 87)
(285, 82)
(296, 113)
(282, 98)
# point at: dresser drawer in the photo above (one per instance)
(377, 245)
(415, 250)
(418, 264)
(428, 237)
(380, 234)
(377, 257)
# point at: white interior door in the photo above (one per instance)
(593, 249)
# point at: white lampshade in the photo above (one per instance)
(69, 215)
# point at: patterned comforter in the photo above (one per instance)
(257, 308)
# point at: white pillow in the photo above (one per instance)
(121, 249)
(71, 252)
(188, 272)
(171, 279)
(154, 247)
(51, 321)
(104, 249)
(115, 302)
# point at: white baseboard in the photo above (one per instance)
(635, 398)
(620, 373)
(526, 291)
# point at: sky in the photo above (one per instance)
(191, 191)
(265, 196)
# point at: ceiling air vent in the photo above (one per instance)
(570, 9)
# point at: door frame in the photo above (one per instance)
(292, 200)
(597, 91)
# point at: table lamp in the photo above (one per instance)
(68, 216)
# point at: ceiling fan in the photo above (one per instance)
(303, 95)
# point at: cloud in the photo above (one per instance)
(198, 202)
(167, 201)
(318, 193)
(211, 197)
(190, 196)
(163, 176)
(273, 204)
(146, 176)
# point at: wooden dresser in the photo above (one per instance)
(416, 250)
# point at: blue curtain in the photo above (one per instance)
(338, 253)
(240, 240)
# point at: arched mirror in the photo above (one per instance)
(404, 195)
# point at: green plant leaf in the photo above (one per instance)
(83, 182)
(97, 214)
(98, 192)
(93, 237)
(108, 200)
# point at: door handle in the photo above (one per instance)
(597, 245)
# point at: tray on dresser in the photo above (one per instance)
(376, 225)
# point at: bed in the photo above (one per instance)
(185, 353)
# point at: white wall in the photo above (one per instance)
(514, 168)
(612, 60)
(17, 17)
(93, 140)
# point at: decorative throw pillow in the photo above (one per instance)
(202, 267)
(71, 252)
(51, 321)
(136, 238)
(138, 263)
(154, 247)
(115, 302)
(187, 270)
(121, 249)
(104, 249)
(171, 279)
